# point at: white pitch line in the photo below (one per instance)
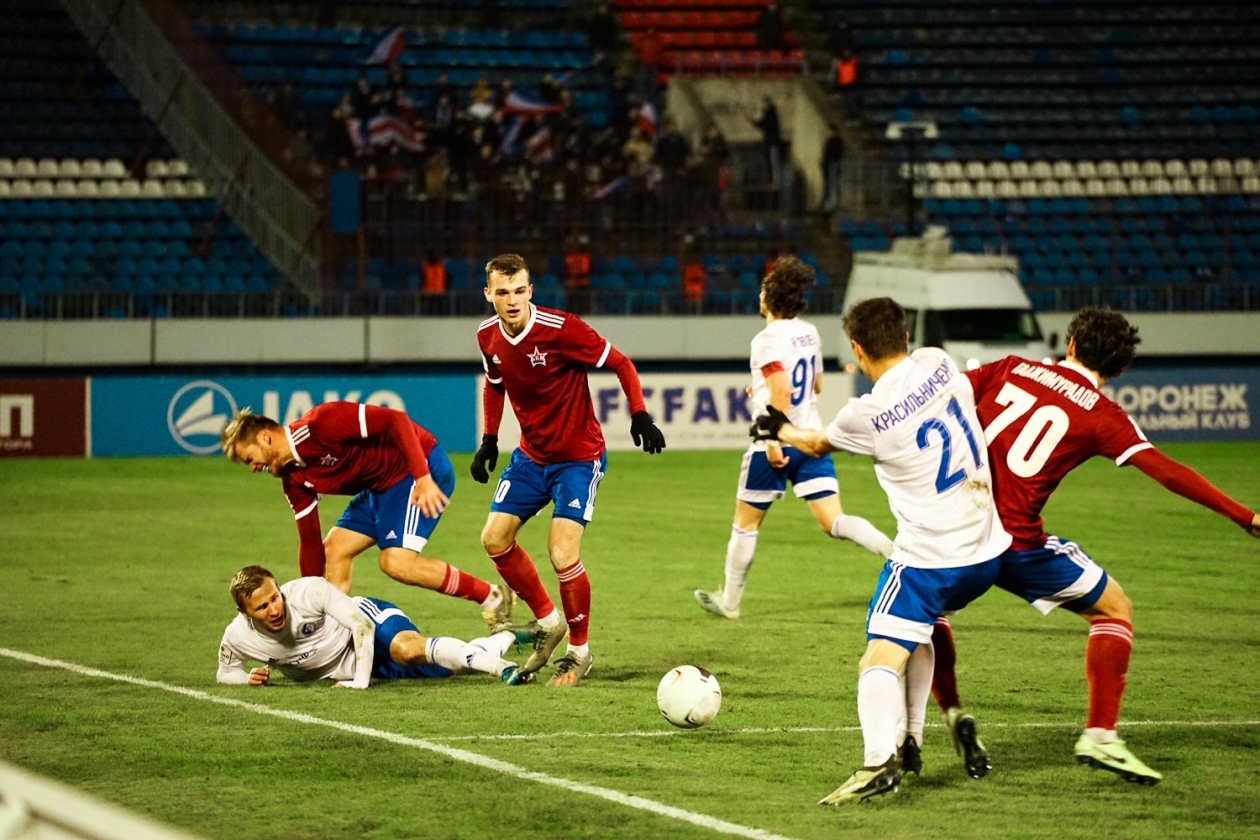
(774, 730)
(608, 794)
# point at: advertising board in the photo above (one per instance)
(41, 417)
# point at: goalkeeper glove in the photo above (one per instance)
(483, 463)
(644, 432)
(766, 426)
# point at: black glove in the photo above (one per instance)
(645, 433)
(483, 463)
(766, 426)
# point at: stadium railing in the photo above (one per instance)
(262, 199)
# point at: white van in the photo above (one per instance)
(971, 305)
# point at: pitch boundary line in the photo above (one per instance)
(774, 730)
(628, 800)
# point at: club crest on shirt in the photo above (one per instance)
(537, 358)
(328, 460)
(306, 629)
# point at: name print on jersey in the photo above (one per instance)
(917, 398)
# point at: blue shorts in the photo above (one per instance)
(525, 488)
(390, 518)
(1059, 574)
(390, 621)
(760, 484)
(908, 600)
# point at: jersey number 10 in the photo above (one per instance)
(1040, 435)
(944, 478)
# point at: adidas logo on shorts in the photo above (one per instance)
(575, 504)
(391, 536)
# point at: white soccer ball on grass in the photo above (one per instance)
(689, 696)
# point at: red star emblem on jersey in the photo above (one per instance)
(536, 358)
(328, 460)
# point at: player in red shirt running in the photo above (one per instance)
(1040, 422)
(539, 357)
(401, 481)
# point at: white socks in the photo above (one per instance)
(583, 652)
(462, 656)
(918, 687)
(863, 533)
(881, 711)
(739, 557)
(551, 620)
(1100, 735)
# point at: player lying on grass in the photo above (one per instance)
(787, 347)
(539, 358)
(311, 630)
(1041, 422)
(919, 425)
(401, 481)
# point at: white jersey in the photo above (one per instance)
(316, 642)
(793, 345)
(919, 424)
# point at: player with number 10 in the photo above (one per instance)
(539, 358)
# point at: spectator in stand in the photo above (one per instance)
(364, 102)
(846, 69)
(436, 173)
(769, 29)
(549, 90)
(577, 276)
(713, 153)
(434, 283)
(443, 87)
(672, 152)
(637, 151)
(650, 48)
(772, 139)
(694, 279)
(505, 90)
(481, 100)
(340, 133)
(602, 33)
(832, 156)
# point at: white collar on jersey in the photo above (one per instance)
(528, 326)
(293, 447)
(1082, 370)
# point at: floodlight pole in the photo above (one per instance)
(911, 132)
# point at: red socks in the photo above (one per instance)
(519, 572)
(944, 680)
(1106, 667)
(575, 594)
(463, 585)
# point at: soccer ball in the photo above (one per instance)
(689, 696)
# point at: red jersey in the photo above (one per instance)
(1040, 422)
(543, 371)
(343, 448)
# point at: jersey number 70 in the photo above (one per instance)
(1040, 435)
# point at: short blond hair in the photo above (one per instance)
(244, 427)
(246, 582)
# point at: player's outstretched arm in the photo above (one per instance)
(232, 670)
(1184, 481)
(774, 425)
(487, 455)
(345, 611)
(643, 431)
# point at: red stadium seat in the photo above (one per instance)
(632, 20)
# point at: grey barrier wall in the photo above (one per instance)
(388, 340)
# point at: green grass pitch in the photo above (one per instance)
(123, 565)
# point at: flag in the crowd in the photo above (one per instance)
(510, 144)
(635, 179)
(389, 47)
(538, 146)
(387, 129)
(406, 108)
(354, 129)
(648, 122)
(523, 103)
